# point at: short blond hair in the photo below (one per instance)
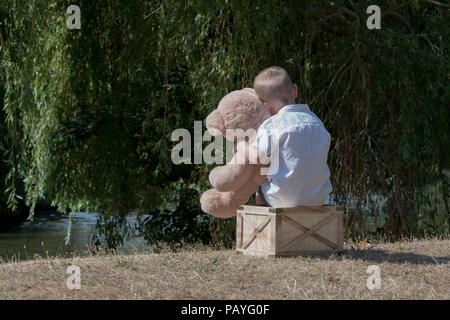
(274, 84)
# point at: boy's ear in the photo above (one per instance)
(215, 124)
(295, 88)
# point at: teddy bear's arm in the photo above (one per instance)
(232, 175)
(253, 155)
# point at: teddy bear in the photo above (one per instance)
(234, 183)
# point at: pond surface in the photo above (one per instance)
(46, 236)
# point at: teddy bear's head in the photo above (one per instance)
(237, 112)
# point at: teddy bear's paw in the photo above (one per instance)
(218, 204)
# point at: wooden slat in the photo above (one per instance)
(255, 209)
(239, 229)
(256, 232)
(248, 208)
(305, 210)
(314, 235)
(259, 213)
(273, 234)
(309, 232)
(278, 230)
(301, 209)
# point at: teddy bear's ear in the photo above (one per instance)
(215, 124)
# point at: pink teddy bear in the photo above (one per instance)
(236, 181)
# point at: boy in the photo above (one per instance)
(296, 142)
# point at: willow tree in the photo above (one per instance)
(90, 112)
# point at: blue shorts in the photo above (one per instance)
(262, 196)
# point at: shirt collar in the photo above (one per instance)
(295, 108)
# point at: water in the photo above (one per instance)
(46, 236)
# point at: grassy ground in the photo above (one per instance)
(409, 270)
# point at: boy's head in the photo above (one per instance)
(275, 88)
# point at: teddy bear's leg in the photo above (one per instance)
(218, 204)
(243, 194)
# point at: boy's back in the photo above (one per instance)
(298, 143)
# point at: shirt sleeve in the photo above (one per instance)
(265, 141)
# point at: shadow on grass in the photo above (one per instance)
(379, 256)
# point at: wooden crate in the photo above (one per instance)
(267, 231)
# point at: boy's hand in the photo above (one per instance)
(254, 156)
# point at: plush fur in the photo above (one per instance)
(236, 181)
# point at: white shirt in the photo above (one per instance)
(299, 175)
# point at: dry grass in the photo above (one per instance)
(409, 270)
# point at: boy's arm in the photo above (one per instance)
(253, 155)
